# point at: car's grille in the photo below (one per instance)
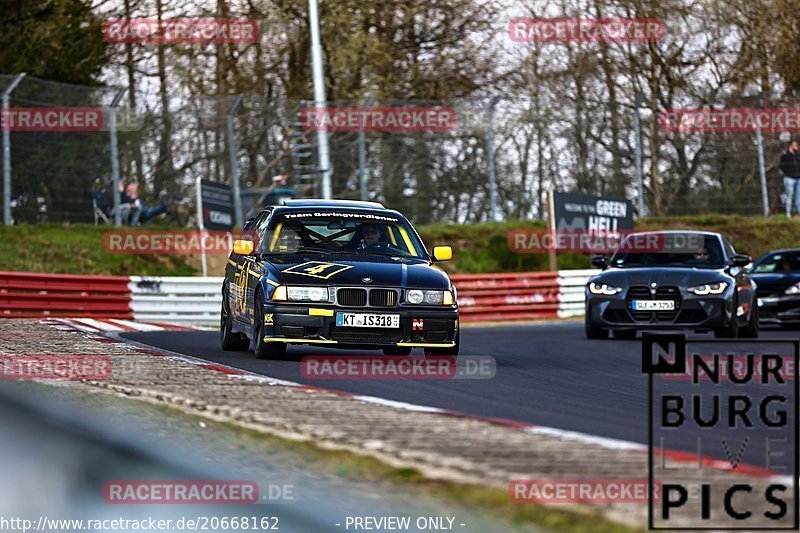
(352, 297)
(382, 298)
(357, 297)
(638, 293)
(662, 293)
(365, 335)
(668, 293)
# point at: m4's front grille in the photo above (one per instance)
(382, 298)
(662, 293)
(352, 297)
(358, 297)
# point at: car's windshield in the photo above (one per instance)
(674, 250)
(331, 232)
(781, 262)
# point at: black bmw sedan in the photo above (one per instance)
(678, 280)
(777, 275)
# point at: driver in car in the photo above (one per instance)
(370, 235)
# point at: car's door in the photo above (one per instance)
(252, 267)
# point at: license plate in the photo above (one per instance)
(653, 305)
(366, 320)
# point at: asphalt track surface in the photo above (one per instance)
(547, 375)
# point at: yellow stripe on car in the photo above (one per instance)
(320, 312)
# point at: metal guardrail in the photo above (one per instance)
(196, 300)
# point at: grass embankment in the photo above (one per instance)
(79, 249)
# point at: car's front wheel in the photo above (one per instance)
(262, 349)
(751, 330)
(228, 340)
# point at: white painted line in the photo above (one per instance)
(400, 405)
(138, 326)
(612, 444)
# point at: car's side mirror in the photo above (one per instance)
(243, 247)
(600, 261)
(442, 253)
(741, 260)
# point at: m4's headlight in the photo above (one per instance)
(309, 294)
(793, 290)
(604, 289)
(416, 296)
(708, 288)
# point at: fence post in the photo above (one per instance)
(762, 171)
(320, 102)
(490, 156)
(7, 152)
(637, 153)
(232, 151)
(115, 177)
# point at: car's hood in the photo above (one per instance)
(682, 277)
(776, 282)
(354, 270)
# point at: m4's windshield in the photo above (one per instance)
(674, 250)
(348, 232)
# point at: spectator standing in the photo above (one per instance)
(790, 166)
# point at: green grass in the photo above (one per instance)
(79, 249)
(479, 248)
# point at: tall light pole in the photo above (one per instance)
(490, 155)
(317, 78)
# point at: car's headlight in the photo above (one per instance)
(308, 294)
(793, 290)
(709, 288)
(604, 289)
(416, 296)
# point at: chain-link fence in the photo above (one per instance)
(429, 159)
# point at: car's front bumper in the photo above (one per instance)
(691, 313)
(423, 327)
(782, 309)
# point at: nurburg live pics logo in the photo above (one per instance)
(742, 425)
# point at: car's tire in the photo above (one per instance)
(731, 331)
(593, 332)
(452, 351)
(228, 340)
(397, 350)
(624, 334)
(264, 350)
(750, 331)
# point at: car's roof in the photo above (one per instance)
(782, 251)
(312, 202)
(675, 231)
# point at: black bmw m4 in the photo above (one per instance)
(677, 280)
